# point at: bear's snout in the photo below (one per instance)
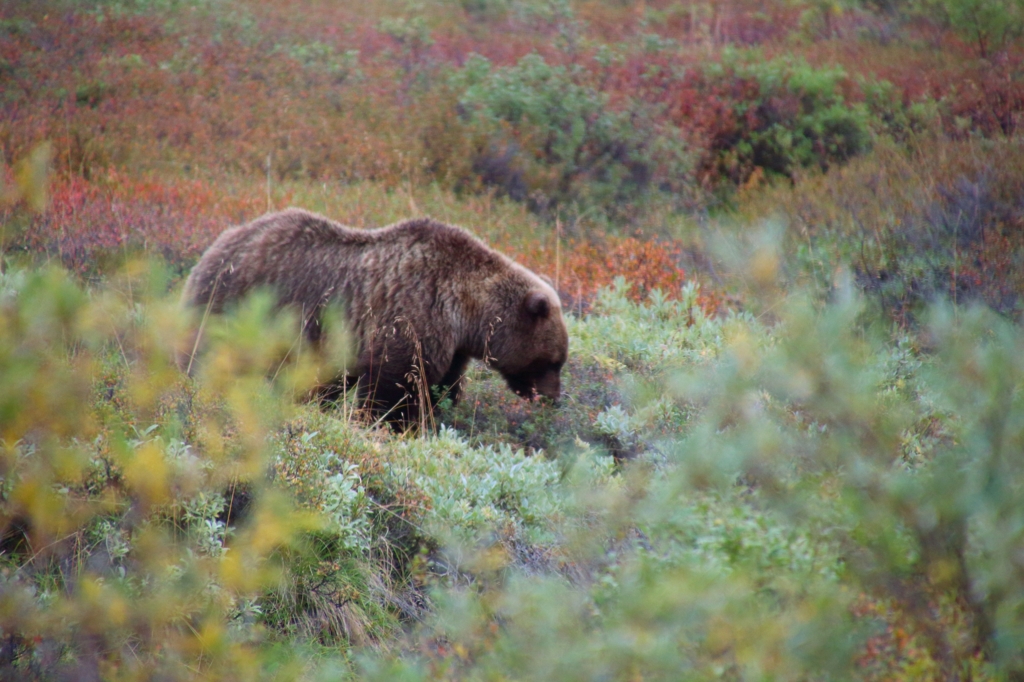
(530, 385)
(549, 385)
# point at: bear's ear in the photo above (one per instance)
(547, 280)
(537, 305)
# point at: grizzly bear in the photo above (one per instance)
(420, 298)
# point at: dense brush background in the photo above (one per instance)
(788, 235)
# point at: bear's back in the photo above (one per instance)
(446, 248)
(296, 230)
(309, 259)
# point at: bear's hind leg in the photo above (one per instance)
(333, 392)
(390, 400)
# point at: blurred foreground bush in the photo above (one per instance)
(154, 525)
(151, 525)
(815, 500)
(844, 506)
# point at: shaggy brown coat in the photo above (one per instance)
(421, 299)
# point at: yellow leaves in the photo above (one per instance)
(744, 349)
(273, 532)
(68, 464)
(30, 179)
(944, 572)
(609, 364)
(148, 475)
(101, 606)
(278, 524)
(236, 574)
(490, 560)
(51, 512)
(764, 267)
(211, 637)
(274, 525)
(720, 638)
(118, 466)
(44, 376)
(42, 504)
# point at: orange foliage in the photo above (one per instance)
(581, 267)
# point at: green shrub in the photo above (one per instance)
(552, 140)
(659, 333)
(988, 25)
(323, 58)
(906, 456)
(781, 115)
(485, 9)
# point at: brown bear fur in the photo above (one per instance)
(421, 299)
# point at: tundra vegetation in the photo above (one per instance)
(788, 235)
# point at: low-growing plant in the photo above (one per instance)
(615, 348)
(830, 511)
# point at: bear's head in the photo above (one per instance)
(530, 343)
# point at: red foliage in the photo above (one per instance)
(580, 268)
(990, 98)
(144, 94)
(88, 224)
(906, 643)
(991, 269)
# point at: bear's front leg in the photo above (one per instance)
(450, 385)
